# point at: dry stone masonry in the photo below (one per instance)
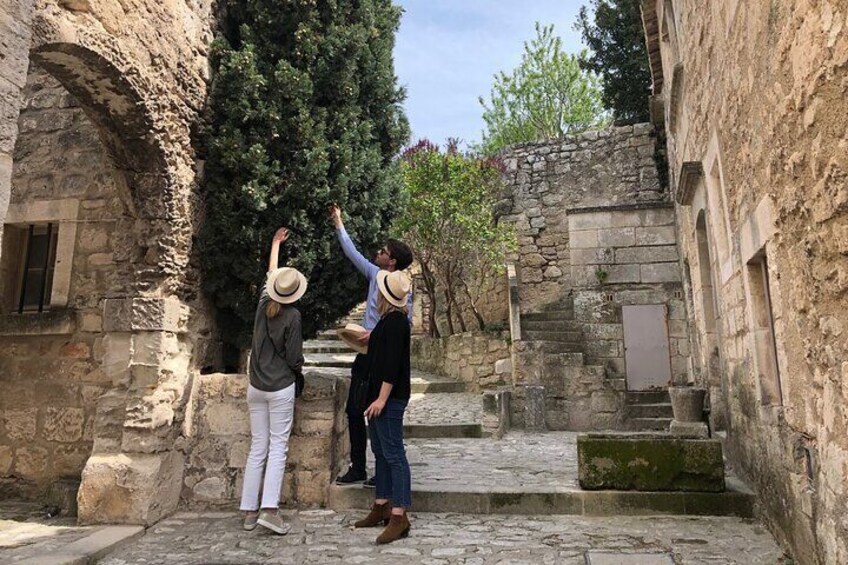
(754, 99)
(596, 234)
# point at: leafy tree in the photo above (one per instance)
(547, 96)
(618, 54)
(304, 111)
(450, 225)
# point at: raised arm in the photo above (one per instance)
(359, 261)
(280, 236)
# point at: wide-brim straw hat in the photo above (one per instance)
(350, 335)
(394, 286)
(286, 285)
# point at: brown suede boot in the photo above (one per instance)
(398, 528)
(380, 514)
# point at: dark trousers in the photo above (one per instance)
(393, 477)
(355, 418)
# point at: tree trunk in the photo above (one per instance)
(449, 312)
(430, 291)
(480, 321)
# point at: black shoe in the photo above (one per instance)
(351, 477)
(370, 483)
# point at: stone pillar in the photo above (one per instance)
(134, 474)
(15, 38)
(534, 408)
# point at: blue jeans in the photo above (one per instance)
(393, 477)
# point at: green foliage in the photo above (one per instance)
(304, 111)
(547, 96)
(450, 225)
(616, 39)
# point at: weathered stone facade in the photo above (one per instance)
(596, 235)
(108, 158)
(754, 99)
(216, 440)
(480, 359)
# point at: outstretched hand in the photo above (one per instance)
(335, 214)
(281, 235)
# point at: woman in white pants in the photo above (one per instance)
(276, 360)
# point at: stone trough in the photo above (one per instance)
(649, 462)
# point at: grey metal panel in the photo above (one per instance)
(646, 350)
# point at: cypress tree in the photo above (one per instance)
(304, 111)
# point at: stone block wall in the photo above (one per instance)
(481, 359)
(545, 179)
(626, 256)
(216, 441)
(492, 302)
(754, 97)
(51, 370)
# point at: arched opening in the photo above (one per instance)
(67, 247)
(95, 358)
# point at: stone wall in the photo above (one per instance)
(596, 234)
(216, 440)
(138, 70)
(491, 298)
(543, 180)
(50, 364)
(634, 252)
(480, 359)
(754, 98)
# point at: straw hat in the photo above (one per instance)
(394, 286)
(350, 335)
(286, 285)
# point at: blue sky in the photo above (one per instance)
(447, 52)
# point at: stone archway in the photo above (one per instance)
(134, 473)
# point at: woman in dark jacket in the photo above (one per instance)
(388, 395)
(276, 360)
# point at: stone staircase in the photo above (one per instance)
(440, 407)
(648, 410)
(554, 333)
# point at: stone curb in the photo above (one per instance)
(89, 549)
(445, 386)
(428, 431)
(580, 503)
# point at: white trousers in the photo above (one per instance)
(271, 416)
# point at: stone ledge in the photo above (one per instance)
(144, 314)
(91, 548)
(50, 322)
(621, 207)
(578, 503)
(649, 462)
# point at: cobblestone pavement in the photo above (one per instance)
(325, 537)
(26, 532)
(444, 408)
(520, 461)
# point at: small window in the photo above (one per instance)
(37, 263)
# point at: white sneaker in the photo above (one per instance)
(250, 521)
(273, 521)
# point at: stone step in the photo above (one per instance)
(420, 386)
(342, 360)
(544, 346)
(647, 397)
(649, 411)
(566, 303)
(550, 325)
(430, 431)
(649, 424)
(549, 316)
(736, 501)
(328, 335)
(325, 346)
(562, 337)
